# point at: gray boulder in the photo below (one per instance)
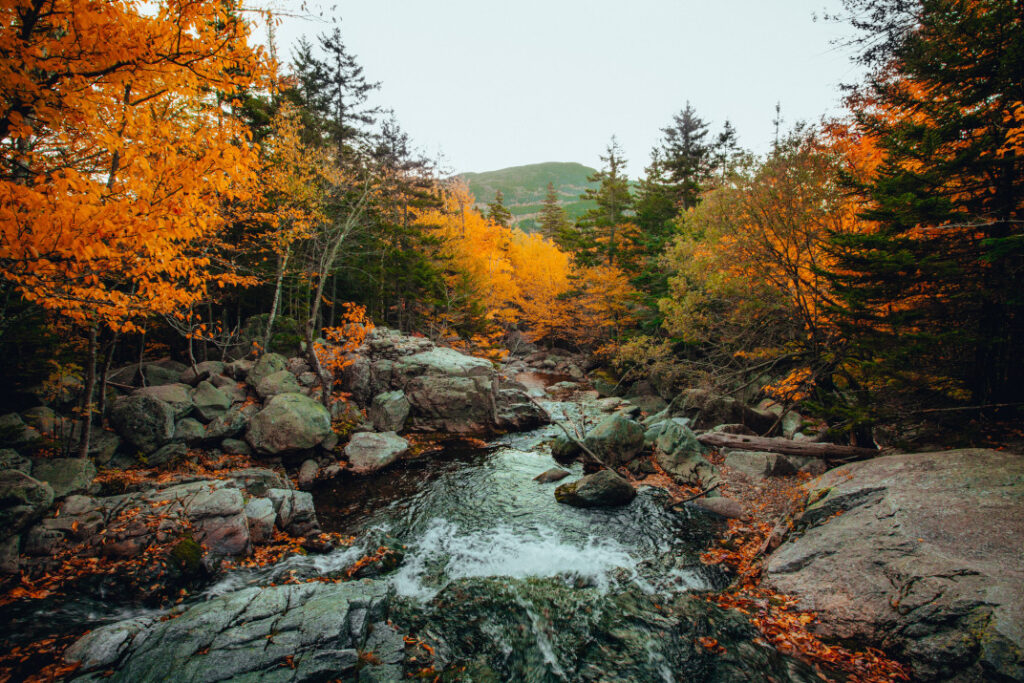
(268, 364)
(189, 431)
(230, 424)
(307, 474)
(202, 371)
(260, 516)
(601, 489)
(447, 391)
(65, 475)
(680, 454)
(164, 372)
(177, 396)
(389, 411)
(299, 632)
(924, 561)
(235, 447)
(758, 466)
(259, 480)
(288, 422)
(145, 422)
(552, 475)
(167, 454)
(615, 440)
(295, 512)
(16, 432)
(368, 451)
(564, 450)
(10, 459)
(280, 382)
(516, 412)
(210, 402)
(23, 500)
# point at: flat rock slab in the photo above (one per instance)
(919, 554)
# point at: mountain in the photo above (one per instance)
(525, 187)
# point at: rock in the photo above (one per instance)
(924, 561)
(709, 410)
(564, 450)
(260, 516)
(608, 405)
(307, 474)
(145, 422)
(43, 419)
(733, 429)
(680, 454)
(722, 506)
(758, 466)
(601, 489)
(615, 440)
(65, 475)
(189, 431)
(235, 447)
(202, 371)
(103, 445)
(157, 374)
(447, 391)
(11, 460)
(219, 521)
(210, 402)
(253, 634)
(516, 412)
(295, 512)
(230, 424)
(649, 403)
(280, 382)
(178, 396)
(554, 474)
(14, 431)
(268, 364)
(167, 455)
(389, 411)
(258, 481)
(368, 451)
(562, 391)
(288, 422)
(239, 369)
(234, 390)
(23, 500)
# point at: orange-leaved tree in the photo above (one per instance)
(118, 150)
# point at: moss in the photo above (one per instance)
(187, 553)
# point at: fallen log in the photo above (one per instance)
(766, 444)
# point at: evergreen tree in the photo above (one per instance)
(938, 286)
(498, 212)
(687, 158)
(553, 219)
(602, 225)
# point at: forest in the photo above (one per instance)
(175, 195)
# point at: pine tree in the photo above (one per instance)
(614, 205)
(687, 158)
(553, 219)
(937, 286)
(498, 212)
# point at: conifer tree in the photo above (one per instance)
(603, 224)
(498, 212)
(687, 157)
(553, 220)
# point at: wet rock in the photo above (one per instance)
(295, 512)
(23, 500)
(202, 371)
(615, 440)
(280, 382)
(145, 422)
(389, 411)
(368, 451)
(260, 516)
(210, 402)
(924, 560)
(601, 489)
(447, 391)
(288, 422)
(266, 365)
(554, 474)
(720, 505)
(562, 391)
(758, 466)
(65, 475)
(252, 634)
(516, 412)
(564, 450)
(105, 646)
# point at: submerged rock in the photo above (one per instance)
(924, 560)
(554, 474)
(601, 489)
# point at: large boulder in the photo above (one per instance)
(268, 364)
(145, 422)
(65, 475)
(615, 440)
(287, 423)
(295, 512)
(23, 500)
(447, 391)
(369, 452)
(202, 371)
(923, 561)
(178, 396)
(680, 454)
(280, 382)
(601, 489)
(708, 410)
(300, 632)
(517, 412)
(210, 402)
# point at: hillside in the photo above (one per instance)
(525, 187)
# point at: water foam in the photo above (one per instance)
(443, 553)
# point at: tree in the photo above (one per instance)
(687, 157)
(498, 212)
(119, 150)
(602, 226)
(553, 219)
(937, 285)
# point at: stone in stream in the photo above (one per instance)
(554, 474)
(368, 451)
(564, 450)
(601, 489)
(615, 440)
(288, 422)
(680, 454)
(925, 560)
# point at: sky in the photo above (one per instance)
(482, 85)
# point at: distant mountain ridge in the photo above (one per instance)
(525, 187)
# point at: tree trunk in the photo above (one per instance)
(90, 390)
(108, 358)
(282, 265)
(825, 451)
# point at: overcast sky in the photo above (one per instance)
(483, 85)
